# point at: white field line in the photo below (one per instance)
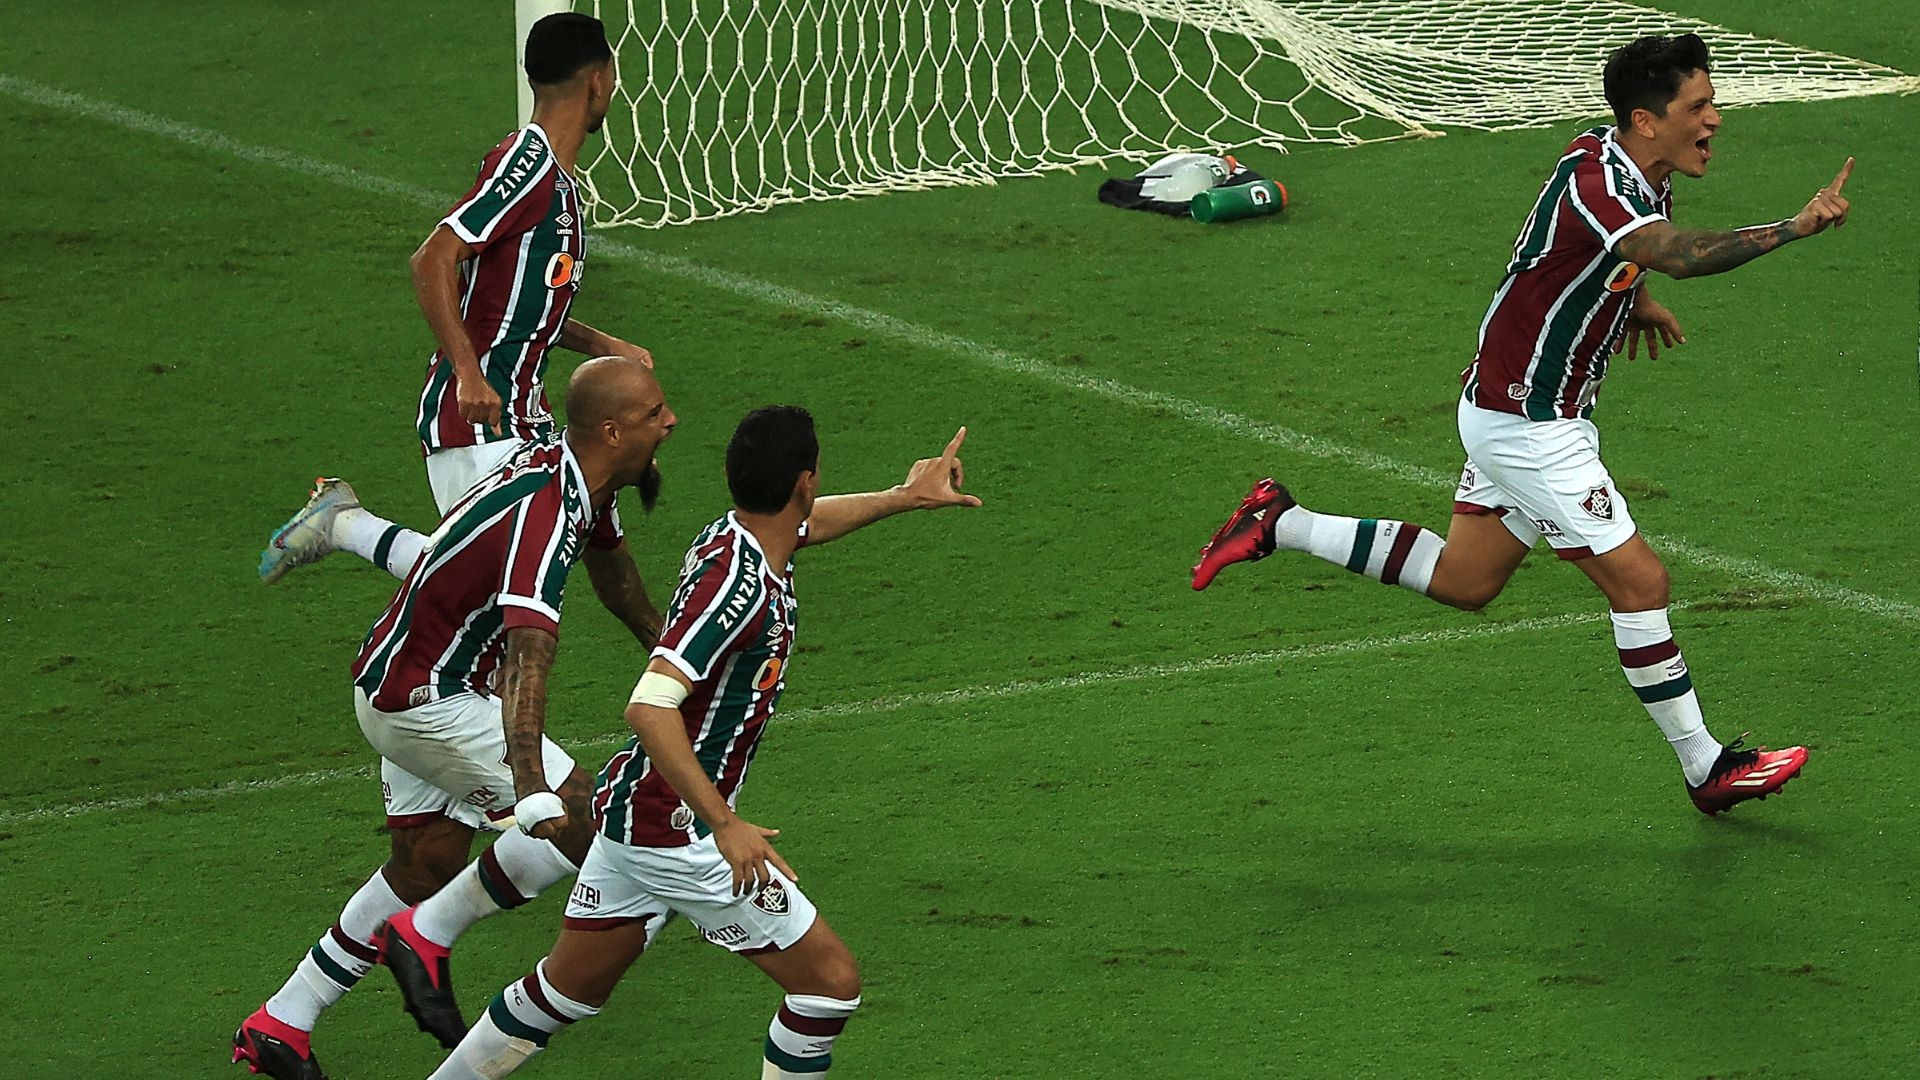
(912, 333)
(965, 695)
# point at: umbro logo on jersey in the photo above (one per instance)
(565, 220)
(772, 899)
(1599, 503)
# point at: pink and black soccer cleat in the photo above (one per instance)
(272, 1048)
(422, 969)
(1743, 774)
(1248, 534)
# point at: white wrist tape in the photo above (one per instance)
(664, 691)
(536, 808)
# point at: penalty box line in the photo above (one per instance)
(961, 696)
(1751, 570)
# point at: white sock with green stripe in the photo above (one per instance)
(1658, 674)
(344, 954)
(515, 1027)
(393, 548)
(511, 872)
(800, 1040)
(1390, 552)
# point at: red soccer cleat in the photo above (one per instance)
(1743, 774)
(1248, 534)
(272, 1048)
(421, 967)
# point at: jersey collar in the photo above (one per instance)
(547, 140)
(1611, 147)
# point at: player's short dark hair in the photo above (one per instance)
(1647, 73)
(768, 452)
(560, 46)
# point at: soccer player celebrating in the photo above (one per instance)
(495, 279)
(1572, 296)
(450, 687)
(668, 839)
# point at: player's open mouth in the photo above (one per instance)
(1706, 151)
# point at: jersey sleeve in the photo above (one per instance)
(717, 603)
(1609, 205)
(508, 197)
(535, 578)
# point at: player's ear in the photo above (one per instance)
(1643, 122)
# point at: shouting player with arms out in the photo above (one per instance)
(495, 279)
(668, 839)
(450, 687)
(1572, 295)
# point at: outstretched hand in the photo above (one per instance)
(1650, 320)
(1827, 207)
(936, 482)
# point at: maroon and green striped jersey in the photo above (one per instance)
(1547, 337)
(729, 631)
(522, 218)
(498, 560)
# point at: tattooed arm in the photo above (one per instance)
(1684, 253)
(523, 712)
(616, 581)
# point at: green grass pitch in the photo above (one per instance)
(1075, 820)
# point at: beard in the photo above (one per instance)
(649, 486)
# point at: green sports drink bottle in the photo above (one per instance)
(1239, 201)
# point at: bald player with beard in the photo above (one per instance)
(451, 688)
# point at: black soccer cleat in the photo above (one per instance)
(271, 1048)
(426, 981)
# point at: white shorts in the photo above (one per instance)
(620, 884)
(448, 758)
(1544, 478)
(451, 472)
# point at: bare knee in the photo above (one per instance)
(839, 977)
(426, 857)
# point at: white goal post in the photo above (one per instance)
(732, 106)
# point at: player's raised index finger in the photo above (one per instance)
(1840, 180)
(954, 446)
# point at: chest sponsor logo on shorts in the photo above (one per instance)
(1518, 391)
(1547, 526)
(585, 895)
(772, 899)
(1467, 480)
(481, 797)
(1624, 277)
(682, 818)
(733, 934)
(1599, 503)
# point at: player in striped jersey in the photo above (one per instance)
(450, 688)
(496, 280)
(1573, 295)
(669, 841)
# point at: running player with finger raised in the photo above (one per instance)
(1573, 292)
(669, 841)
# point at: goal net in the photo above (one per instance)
(729, 106)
